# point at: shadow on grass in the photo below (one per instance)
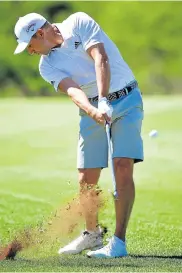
(157, 256)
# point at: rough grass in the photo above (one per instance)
(38, 174)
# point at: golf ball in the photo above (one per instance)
(153, 133)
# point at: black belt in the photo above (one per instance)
(116, 95)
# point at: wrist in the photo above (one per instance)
(92, 111)
(102, 99)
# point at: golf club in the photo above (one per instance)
(108, 132)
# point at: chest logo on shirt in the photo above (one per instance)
(77, 44)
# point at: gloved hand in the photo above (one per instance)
(105, 107)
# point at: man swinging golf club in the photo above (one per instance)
(79, 59)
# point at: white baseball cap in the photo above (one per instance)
(25, 28)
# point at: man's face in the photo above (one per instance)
(39, 44)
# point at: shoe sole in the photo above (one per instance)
(89, 248)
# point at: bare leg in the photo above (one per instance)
(88, 179)
(126, 194)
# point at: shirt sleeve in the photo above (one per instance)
(51, 74)
(89, 31)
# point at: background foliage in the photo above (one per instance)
(148, 35)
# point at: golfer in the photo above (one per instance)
(79, 59)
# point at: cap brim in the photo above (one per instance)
(21, 47)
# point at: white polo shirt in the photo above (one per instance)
(71, 60)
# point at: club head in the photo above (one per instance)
(114, 194)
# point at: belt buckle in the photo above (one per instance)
(126, 90)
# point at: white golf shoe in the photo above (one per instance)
(114, 249)
(87, 240)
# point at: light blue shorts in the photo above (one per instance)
(125, 130)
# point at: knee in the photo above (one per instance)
(82, 177)
(89, 176)
(88, 179)
(124, 167)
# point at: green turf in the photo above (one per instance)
(38, 173)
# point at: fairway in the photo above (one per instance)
(38, 142)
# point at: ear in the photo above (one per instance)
(40, 33)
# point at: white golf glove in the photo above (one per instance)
(105, 107)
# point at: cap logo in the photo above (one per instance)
(30, 26)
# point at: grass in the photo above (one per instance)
(38, 140)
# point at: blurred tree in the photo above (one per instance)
(148, 35)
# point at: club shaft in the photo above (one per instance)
(108, 128)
